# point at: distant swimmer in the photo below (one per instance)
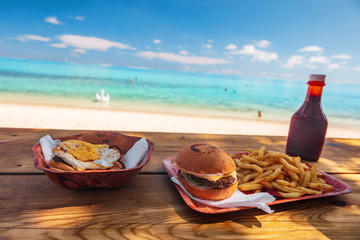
(259, 114)
(130, 80)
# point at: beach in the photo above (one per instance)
(57, 117)
(61, 95)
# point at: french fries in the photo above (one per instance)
(250, 186)
(262, 169)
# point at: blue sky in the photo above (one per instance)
(277, 39)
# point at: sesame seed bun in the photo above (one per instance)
(205, 158)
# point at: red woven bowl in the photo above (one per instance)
(95, 178)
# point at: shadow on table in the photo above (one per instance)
(151, 205)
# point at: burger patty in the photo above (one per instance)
(221, 183)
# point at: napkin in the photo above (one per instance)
(238, 199)
(47, 145)
(136, 153)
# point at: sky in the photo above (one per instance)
(276, 39)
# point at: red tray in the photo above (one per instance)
(339, 189)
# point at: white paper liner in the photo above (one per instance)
(136, 153)
(47, 145)
(238, 199)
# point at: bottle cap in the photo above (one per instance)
(317, 78)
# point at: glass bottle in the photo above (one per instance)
(308, 124)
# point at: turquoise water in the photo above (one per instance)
(74, 84)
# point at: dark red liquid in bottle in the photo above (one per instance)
(308, 124)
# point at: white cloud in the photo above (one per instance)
(90, 43)
(297, 60)
(181, 59)
(357, 68)
(80, 18)
(208, 46)
(59, 45)
(53, 20)
(157, 41)
(319, 59)
(311, 49)
(263, 43)
(183, 52)
(25, 38)
(310, 62)
(231, 46)
(293, 61)
(333, 66)
(210, 41)
(79, 50)
(258, 55)
(342, 56)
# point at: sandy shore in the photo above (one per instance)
(35, 116)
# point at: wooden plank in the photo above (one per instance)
(339, 155)
(150, 207)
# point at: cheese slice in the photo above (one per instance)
(81, 150)
(210, 177)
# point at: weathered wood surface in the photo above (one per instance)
(339, 155)
(150, 207)
(32, 207)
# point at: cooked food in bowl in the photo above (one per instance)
(77, 155)
(135, 153)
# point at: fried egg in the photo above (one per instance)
(83, 155)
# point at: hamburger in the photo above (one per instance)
(77, 155)
(206, 171)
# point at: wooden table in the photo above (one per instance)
(150, 207)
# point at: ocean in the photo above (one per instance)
(185, 93)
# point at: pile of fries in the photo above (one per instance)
(261, 170)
